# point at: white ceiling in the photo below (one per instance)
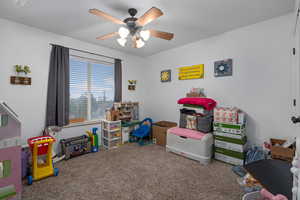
(190, 20)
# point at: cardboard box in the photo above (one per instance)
(228, 159)
(230, 153)
(242, 141)
(279, 152)
(230, 135)
(229, 128)
(230, 146)
(229, 115)
(229, 156)
(159, 131)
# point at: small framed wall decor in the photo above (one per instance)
(165, 76)
(131, 85)
(223, 68)
(191, 72)
(21, 80)
(16, 80)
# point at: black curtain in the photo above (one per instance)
(118, 80)
(57, 113)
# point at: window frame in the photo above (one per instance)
(90, 62)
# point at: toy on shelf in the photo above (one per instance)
(41, 146)
(196, 92)
(128, 111)
(111, 114)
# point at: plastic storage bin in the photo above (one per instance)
(205, 123)
(202, 123)
(111, 144)
(111, 125)
(253, 196)
(111, 134)
(196, 149)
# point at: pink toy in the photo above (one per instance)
(269, 196)
(10, 155)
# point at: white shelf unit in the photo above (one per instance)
(111, 134)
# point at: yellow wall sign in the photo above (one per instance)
(191, 72)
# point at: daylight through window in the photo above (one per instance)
(91, 88)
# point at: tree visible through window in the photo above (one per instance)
(91, 89)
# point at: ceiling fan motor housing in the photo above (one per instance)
(131, 21)
(132, 12)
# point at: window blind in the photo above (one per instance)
(91, 88)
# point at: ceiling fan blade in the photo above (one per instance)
(161, 34)
(99, 13)
(107, 36)
(149, 16)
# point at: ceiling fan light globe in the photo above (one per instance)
(123, 32)
(145, 35)
(140, 43)
(122, 41)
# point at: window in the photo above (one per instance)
(91, 88)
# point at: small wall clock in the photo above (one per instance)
(223, 68)
(165, 76)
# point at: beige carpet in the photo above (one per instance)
(136, 173)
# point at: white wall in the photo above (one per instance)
(260, 84)
(20, 44)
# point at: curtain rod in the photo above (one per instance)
(83, 51)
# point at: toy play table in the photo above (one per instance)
(273, 175)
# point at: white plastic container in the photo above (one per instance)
(111, 144)
(125, 134)
(253, 196)
(195, 149)
(111, 134)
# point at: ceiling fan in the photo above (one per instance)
(132, 27)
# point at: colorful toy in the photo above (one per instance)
(95, 148)
(94, 139)
(142, 132)
(75, 146)
(40, 146)
(10, 154)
